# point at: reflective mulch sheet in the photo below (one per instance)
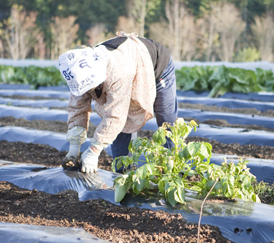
(238, 221)
(50, 180)
(14, 233)
(221, 134)
(230, 103)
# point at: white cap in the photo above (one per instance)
(84, 69)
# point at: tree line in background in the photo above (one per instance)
(204, 30)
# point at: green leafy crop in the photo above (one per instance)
(220, 79)
(167, 171)
(32, 75)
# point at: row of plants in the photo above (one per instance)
(31, 75)
(166, 172)
(216, 79)
(220, 79)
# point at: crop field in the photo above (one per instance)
(41, 202)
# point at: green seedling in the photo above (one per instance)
(168, 170)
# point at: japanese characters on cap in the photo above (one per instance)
(84, 69)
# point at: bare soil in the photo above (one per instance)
(102, 219)
(98, 217)
(246, 151)
(250, 111)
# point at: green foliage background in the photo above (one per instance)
(216, 79)
(32, 75)
(91, 12)
(220, 79)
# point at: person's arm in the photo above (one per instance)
(79, 109)
(114, 116)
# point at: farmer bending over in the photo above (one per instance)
(130, 79)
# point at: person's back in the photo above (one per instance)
(139, 81)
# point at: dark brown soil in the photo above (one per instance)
(250, 111)
(247, 151)
(102, 219)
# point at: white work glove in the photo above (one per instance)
(89, 160)
(72, 156)
(76, 136)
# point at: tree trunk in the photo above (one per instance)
(142, 18)
(173, 16)
(210, 39)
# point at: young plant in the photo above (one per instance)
(168, 169)
(233, 181)
(265, 191)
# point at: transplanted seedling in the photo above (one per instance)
(169, 169)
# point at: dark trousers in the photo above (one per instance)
(165, 109)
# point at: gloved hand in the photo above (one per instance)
(89, 160)
(76, 136)
(72, 156)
